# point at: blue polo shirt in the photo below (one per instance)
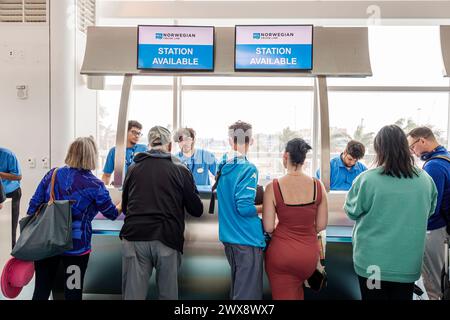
(129, 156)
(341, 177)
(199, 164)
(9, 164)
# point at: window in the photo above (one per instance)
(281, 107)
(359, 116)
(276, 117)
(149, 107)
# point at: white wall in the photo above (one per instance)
(24, 124)
(47, 59)
(73, 107)
(62, 78)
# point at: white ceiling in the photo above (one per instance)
(266, 9)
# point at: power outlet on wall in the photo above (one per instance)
(31, 163)
(45, 163)
(15, 54)
(22, 91)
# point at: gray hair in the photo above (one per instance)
(158, 136)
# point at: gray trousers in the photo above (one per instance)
(138, 260)
(433, 261)
(246, 271)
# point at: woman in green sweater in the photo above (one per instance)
(391, 205)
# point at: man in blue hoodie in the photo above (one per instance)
(240, 228)
(423, 144)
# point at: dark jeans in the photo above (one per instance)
(74, 271)
(15, 210)
(388, 290)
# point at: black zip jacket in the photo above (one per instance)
(156, 191)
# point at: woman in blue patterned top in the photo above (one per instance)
(76, 182)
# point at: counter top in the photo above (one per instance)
(112, 228)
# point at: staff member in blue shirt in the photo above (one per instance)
(200, 162)
(10, 176)
(134, 133)
(424, 145)
(346, 167)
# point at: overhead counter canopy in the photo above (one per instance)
(338, 51)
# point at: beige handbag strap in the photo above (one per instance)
(52, 187)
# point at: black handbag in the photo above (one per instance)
(46, 233)
(318, 280)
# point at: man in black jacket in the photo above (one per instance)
(156, 191)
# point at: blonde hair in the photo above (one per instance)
(82, 154)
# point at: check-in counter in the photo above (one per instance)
(205, 273)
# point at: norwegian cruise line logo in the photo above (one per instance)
(272, 35)
(173, 35)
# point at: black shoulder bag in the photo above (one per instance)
(258, 199)
(212, 201)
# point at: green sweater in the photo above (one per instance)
(391, 217)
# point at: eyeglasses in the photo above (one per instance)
(411, 147)
(136, 133)
(184, 138)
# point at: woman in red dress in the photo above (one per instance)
(300, 204)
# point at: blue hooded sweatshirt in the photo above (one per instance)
(439, 170)
(236, 191)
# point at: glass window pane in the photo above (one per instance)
(276, 117)
(360, 115)
(150, 108)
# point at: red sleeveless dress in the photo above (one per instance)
(292, 255)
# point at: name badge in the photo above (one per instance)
(200, 170)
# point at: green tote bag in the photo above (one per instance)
(46, 233)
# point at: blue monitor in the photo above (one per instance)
(183, 48)
(273, 48)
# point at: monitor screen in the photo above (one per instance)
(175, 48)
(276, 48)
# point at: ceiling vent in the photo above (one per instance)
(23, 11)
